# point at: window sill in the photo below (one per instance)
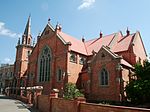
(105, 86)
(73, 61)
(81, 63)
(43, 81)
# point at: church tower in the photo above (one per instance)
(23, 50)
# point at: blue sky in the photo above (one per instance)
(77, 17)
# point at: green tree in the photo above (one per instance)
(143, 71)
(138, 90)
(71, 91)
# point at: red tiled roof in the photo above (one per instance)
(76, 45)
(121, 44)
(97, 43)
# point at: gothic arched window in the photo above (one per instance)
(104, 77)
(44, 65)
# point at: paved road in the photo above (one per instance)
(11, 105)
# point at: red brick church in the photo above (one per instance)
(100, 67)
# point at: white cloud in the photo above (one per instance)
(86, 4)
(8, 60)
(6, 32)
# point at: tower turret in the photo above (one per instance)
(23, 51)
(26, 37)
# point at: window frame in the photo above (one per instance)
(44, 65)
(59, 75)
(105, 80)
(73, 57)
(83, 60)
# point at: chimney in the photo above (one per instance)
(101, 34)
(127, 32)
(19, 41)
(83, 39)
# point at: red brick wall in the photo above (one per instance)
(74, 69)
(22, 59)
(61, 105)
(100, 92)
(110, 92)
(129, 56)
(45, 104)
(85, 107)
(59, 60)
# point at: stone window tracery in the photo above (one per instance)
(104, 77)
(44, 65)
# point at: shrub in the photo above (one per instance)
(71, 91)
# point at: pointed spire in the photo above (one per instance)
(26, 37)
(49, 19)
(28, 25)
(19, 41)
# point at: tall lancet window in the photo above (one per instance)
(104, 77)
(44, 65)
(29, 41)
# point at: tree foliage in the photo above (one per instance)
(143, 72)
(71, 91)
(138, 90)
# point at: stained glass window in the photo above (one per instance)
(44, 65)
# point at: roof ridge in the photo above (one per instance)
(109, 35)
(112, 39)
(96, 39)
(126, 37)
(91, 40)
(85, 48)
